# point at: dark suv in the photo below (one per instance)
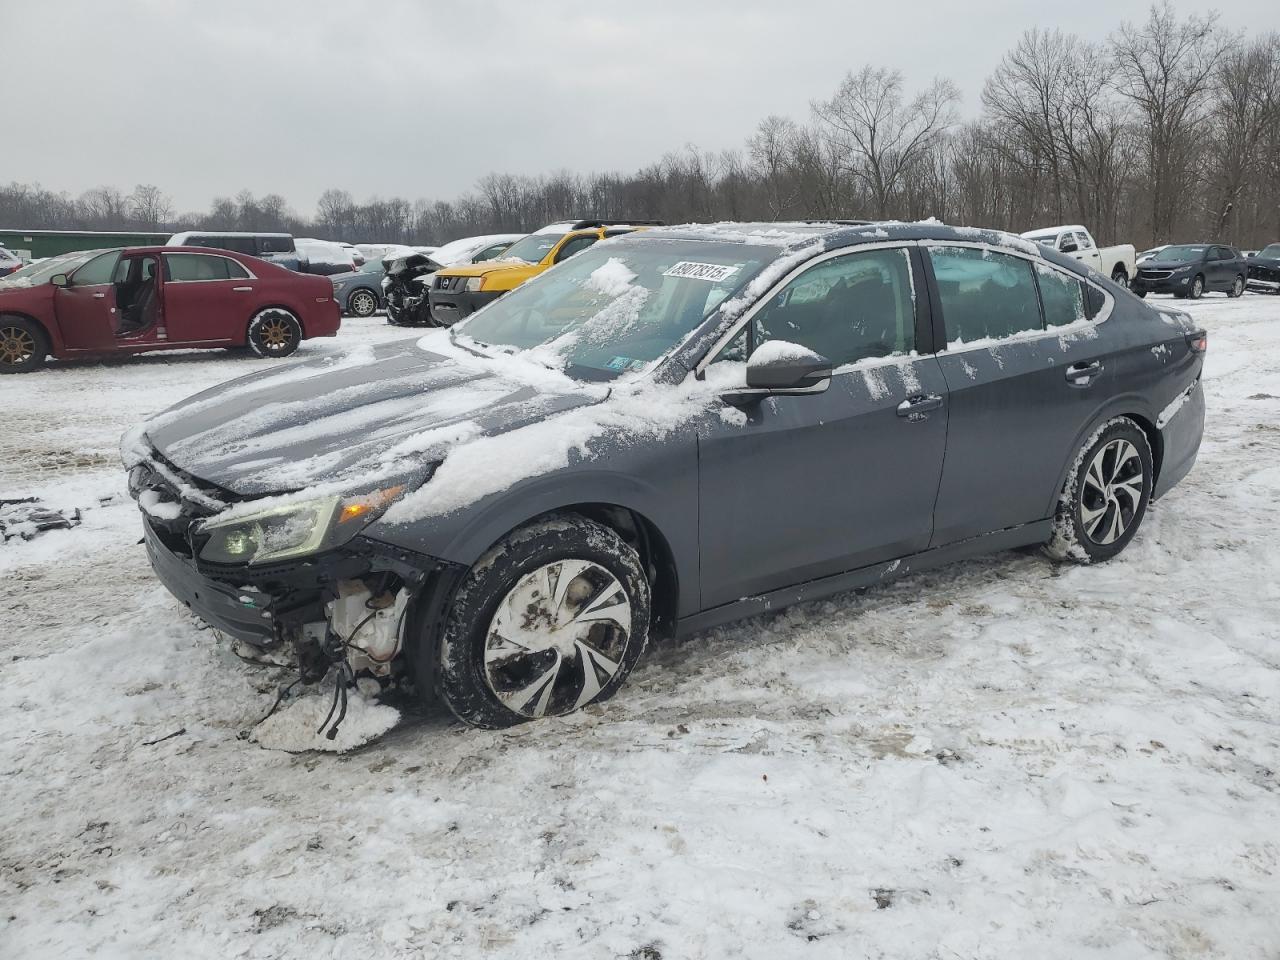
(669, 431)
(279, 248)
(1190, 270)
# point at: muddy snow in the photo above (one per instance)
(1004, 758)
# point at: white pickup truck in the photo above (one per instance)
(1118, 262)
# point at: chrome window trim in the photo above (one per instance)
(187, 253)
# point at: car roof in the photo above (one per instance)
(232, 233)
(796, 235)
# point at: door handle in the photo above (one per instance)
(1083, 373)
(915, 407)
(243, 289)
(99, 296)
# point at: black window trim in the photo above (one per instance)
(939, 326)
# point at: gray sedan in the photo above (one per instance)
(670, 431)
(359, 292)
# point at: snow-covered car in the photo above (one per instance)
(672, 430)
(1190, 270)
(407, 277)
(1264, 270)
(1146, 255)
(9, 262)
(1118, 262)
(324, 257)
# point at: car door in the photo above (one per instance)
(1023, 379)
(86, 306)
(1222, 267)
(800, 487)
(208, 298)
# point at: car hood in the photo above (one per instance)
(342, 420)
(1158, 264)
(1272, 263)
(489, 267)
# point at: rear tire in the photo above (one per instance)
(24, 346)
(274, 332)
(1121, 276)
(1105, 496)
(551, 618)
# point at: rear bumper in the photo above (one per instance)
(1181, 437)
(447, 308)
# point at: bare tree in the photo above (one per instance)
(1166, 67)
(149, 206)
(881, 132)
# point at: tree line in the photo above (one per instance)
(1165, 131)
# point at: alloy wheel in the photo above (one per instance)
(1113, 489)
(1197, 288)
(275, 334)
(363, 303)
(558, 638)
(1237, 288)
(17, 346)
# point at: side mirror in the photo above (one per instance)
(782, 368)
(59, 280)
(1070, 247)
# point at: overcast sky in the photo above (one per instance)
(420, 99)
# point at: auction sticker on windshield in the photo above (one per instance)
(692, 270)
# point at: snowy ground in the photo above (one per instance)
(1000, 759)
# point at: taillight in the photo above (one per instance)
(1198, 341)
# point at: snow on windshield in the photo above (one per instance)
(617, 307)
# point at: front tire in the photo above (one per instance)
(275, 332)
(24, 346)
(1237, 288)
(1106, 495)
(551, 618)
(362, 303)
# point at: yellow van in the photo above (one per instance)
(457, 292)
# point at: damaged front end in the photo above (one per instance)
(295, 578)
(405, 285)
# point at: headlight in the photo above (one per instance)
(294, 529)
(473, 284)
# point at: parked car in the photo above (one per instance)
(1264, 270)
(279, 248)
(359, 291)
(670, 431)
(1118, 262)
(408, 276)
(459, 291)
(157, 298)
(1146, 255)
(324, 258)
(9, 262)
(1190, 270)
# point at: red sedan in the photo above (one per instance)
(158, 298)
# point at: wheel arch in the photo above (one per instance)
(54, 340)
(1127, 406)
(276, 305)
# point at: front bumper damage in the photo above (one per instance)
(369, 608)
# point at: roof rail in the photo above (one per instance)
(585, 224)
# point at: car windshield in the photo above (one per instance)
(371, 266)
(455, 251)
(1271, 250)
(532, 248)
(36, 273)
(616, 307)
(1181, 254)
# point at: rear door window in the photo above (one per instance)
(274, 245)
(195, 267)
(985, 295)
(1062, 296)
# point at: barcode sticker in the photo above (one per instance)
(691, 270)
